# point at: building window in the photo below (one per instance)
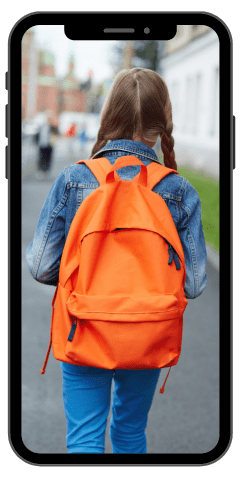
(192, 104)
(174, 95)
(197, 103)
(214, 129)
(188, 123)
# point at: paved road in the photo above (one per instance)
(185, 419)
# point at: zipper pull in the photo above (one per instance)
(177, 262)
(72, 330)
(170, 251)
(173, 255)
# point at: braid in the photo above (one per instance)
(167, 144)
(167, 141)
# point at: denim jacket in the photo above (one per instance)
(76, 182)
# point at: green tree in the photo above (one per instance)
(146, 54)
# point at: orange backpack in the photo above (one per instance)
(120, 298)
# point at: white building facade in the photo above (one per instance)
(192, 76)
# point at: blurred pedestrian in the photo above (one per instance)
(71, 131)
(71, 135)
(136, 113)
(82, 136)
(54, 132)
(45, 147)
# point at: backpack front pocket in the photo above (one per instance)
(125, 332)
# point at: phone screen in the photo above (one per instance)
(61, 71)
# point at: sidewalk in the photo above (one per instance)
(213, 257)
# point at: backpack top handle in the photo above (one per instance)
(124, 161)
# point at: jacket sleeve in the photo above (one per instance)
(44, 253)
(190, 231)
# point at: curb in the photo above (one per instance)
(213, 256)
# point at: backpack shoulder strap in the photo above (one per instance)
(99, 167)
(156, 172)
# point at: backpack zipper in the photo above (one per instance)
(173, 255)
(72, 330)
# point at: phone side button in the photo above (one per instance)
(6, 80)
(6, 163)
(233, 142)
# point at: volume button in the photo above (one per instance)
(6, 80)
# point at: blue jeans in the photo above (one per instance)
(87, 397)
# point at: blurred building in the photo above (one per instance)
(70, 97)
(29, 74)
(47, 84)
(41, 90)
(191, 70)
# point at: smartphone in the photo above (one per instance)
(61, 68)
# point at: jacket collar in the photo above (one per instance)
(129, 146)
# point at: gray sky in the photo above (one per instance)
(89, 55)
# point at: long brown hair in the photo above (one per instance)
(138, 104)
